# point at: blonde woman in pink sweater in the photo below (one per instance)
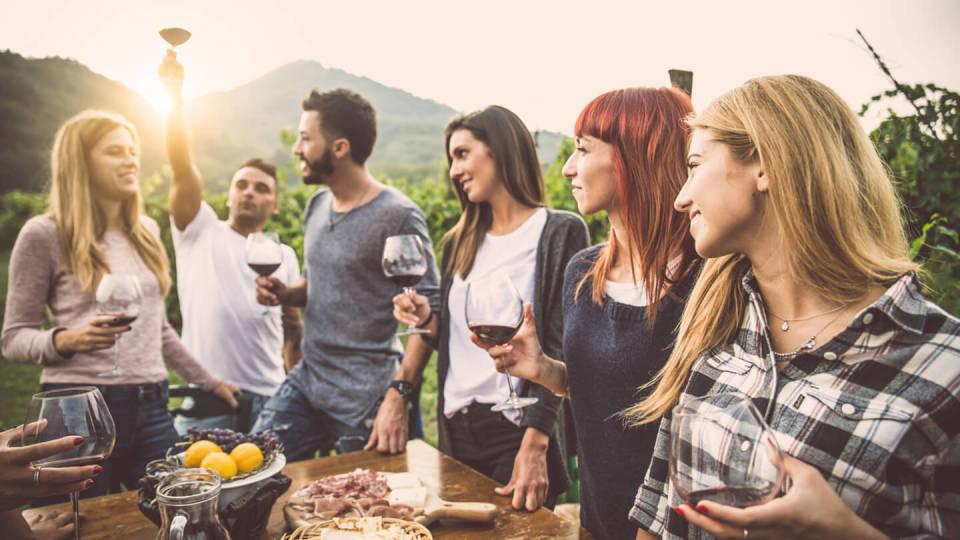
(94, 226)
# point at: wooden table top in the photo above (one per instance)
(117, 516)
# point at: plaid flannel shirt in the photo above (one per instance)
(876, 410)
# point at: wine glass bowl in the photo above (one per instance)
(264, 255)
(721, 450)
(175, 36)
(494, 312)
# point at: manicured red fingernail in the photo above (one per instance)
(97, 469)
(77, 441)
(679, 511)
(702, 508)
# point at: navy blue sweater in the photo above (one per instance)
(609, 352)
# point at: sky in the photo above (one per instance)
(543, 59)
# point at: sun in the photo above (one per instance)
(155, 95)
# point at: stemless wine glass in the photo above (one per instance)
(721, 450)
(264, 255)
(494, 311)
(118, 295)
(78, 411)
(405, 263)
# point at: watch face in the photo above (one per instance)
(403, 387)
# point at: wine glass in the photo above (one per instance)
(118, 295)
(264, 255)
(79, 411)
(721, 450)
(494, 312)
(405, 263)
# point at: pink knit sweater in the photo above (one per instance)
(42, 291)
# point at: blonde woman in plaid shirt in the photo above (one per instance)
(809, 304)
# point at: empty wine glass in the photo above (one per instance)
(79, 411)
(721, 450)
(120, 296)
(264, 255)
(405, 263)
(494, 312)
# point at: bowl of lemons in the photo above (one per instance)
(241, 459)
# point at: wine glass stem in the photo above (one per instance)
(116, 354)
(513, 393)
(75, 499)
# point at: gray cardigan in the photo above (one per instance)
(564, 234)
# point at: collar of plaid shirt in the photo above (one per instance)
(875, 409)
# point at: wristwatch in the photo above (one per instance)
(404, 388)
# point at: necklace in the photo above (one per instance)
(785, 327)
(808, 344)
(332, 222)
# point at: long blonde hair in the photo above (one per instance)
(830, 194)
(73, 205)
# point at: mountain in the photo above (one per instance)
(37, 95)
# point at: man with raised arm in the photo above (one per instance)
(231, 334)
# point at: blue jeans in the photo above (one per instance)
(229, 421)
(144, 433)
(304, 430)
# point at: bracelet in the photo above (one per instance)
(566, 383)
(429, 318)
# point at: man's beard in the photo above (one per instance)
(319, 168)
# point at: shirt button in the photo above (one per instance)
(745, 446)
(848, 409)
(464, 410)
(830, 355)
(868, 318)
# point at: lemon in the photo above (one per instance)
(197, 451)
(247, 456)
(220, 462)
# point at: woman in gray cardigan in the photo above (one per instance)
(504, 228)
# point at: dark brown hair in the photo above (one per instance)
(346, 114)
(265, 167)
(512, 148)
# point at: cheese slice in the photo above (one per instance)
(402, 480)
(410, 496)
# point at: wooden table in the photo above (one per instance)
(117, 516)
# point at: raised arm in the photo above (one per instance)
(186, 189)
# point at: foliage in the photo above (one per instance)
(922, 151)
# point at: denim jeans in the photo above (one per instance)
(144, 433)
(229, 421)
(304, 430)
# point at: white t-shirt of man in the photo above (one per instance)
(223, 325)
(472, 376)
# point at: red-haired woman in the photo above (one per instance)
(621, 299)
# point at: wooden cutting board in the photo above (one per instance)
(407, 488)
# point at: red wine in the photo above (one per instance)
(264, 269)
(406, 280)
(119, 320)
(74, 461)
(494, 334)
(740, 497)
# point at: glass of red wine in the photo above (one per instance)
(721, 450)
(494, 312)
(405, 263)
(79, 411)
(120, 296)
(264, 255)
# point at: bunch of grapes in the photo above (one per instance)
(227, 439)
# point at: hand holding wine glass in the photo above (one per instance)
(16, 471)
(721, 450)
(119, 297)
(264, 255)
(494, 312)
(522, 356)
(405, 263)
(80, 412)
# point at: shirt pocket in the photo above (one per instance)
(728, 363)
(852, 436)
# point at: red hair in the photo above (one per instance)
(648, 131)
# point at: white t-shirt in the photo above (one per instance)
(633, 294)
(223, 325)
(472, 376)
